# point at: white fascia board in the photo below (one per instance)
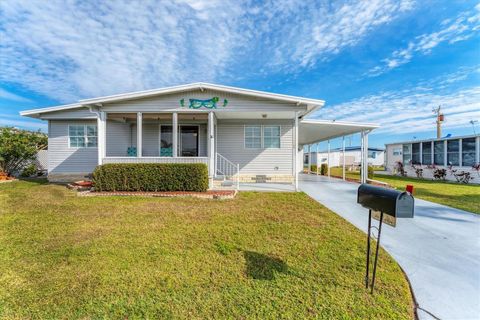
(341, 123)
(35, 112)
(201, 85)
(312, 104)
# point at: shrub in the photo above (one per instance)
(370, 172)
(324, 169)
(29, 171)
(313, 168)
(151, 177)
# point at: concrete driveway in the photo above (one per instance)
(439, 249)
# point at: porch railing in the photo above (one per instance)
(228, 169)
(156, 160)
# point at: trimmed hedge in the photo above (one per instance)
(151, 177)
(324, 169)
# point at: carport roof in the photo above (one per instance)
(313, 131)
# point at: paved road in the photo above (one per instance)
(439, 249)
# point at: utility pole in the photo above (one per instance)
(440, 119)
(472, 122)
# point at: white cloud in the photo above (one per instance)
(462, 28)
(78, 49)
(4, 94)
(410, 110)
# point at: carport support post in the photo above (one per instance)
(101, 131)
(295, 156)
(328, 159)
(343, 164)
(309, 159)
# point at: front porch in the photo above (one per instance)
(164, 138)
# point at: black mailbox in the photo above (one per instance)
(392, 202)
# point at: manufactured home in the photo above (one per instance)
(352, 157)
(456, 154)
(246, 134)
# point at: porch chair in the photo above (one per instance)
(131, 151)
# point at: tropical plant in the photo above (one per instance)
(18, 148)
(439, 174)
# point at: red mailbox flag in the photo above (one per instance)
(409, 188)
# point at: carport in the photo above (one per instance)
(312, 131)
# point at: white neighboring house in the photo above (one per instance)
(353, 156)
(452, 153)
(246, 134)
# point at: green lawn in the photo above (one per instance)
(456, 195)
(261, 255)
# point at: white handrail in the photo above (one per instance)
(228, 169)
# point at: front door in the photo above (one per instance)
(188, 141)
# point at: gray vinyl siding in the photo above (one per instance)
(230, 144)
(120, 136)
(171, 102)
(61, 158)
(79, 113)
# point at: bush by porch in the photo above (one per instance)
(151, 177)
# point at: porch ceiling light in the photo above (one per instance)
(264, 115)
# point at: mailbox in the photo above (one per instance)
(392, 202)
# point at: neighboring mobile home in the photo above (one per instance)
(235, 132)
(452, 153)
(353, 157)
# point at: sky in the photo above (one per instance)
(387, 62)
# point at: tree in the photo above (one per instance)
(18, 147)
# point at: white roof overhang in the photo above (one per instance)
(313, 131)
(311, 104)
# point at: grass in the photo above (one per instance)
(456, 195)
(261, 255)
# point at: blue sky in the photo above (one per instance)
(386, 62)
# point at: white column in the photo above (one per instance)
(174, 134)
(362, 156)
(316, 158)
(309, 152)
(421, 153)
(366, 156)
(101, 136)
(328, 158)
(210, 146)
(295, 149)
(343, 164)
(139, 133)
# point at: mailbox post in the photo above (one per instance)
(394, 203)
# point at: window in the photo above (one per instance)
(253, 137)
(372, 154)
(453, 152)
(468, 152)
(397, 151)
(271, 137)
(416, 153)
(407, 154)
(81, 136)
(426, 153)
(438, 156)
(166, 141)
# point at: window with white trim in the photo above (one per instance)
(82, 136)
(271, 136)
(397, 151)
(253, 137)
